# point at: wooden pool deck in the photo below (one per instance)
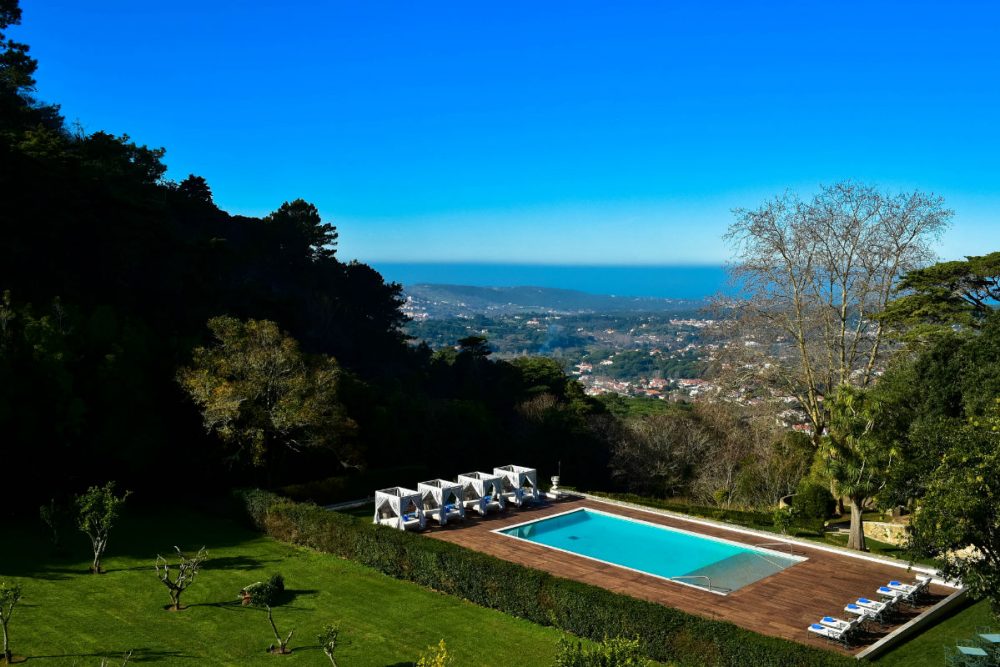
(781, 605)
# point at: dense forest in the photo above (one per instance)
(109, 275)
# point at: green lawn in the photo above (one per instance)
(69, 617)
(925, 650)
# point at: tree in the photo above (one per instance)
(328, 640)
(97, 511)
(436, 656)
(264, 595)
(10, 595)
(813, 275)
(261, 395)
(933, 298)
(658, 454)
(196, 189)
(187, 570)
(299, 230)
(958, 523)
(858, 454)
(51, 515)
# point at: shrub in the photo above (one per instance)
(813, 504)
(784, 518)
(666, 634)
(436, 656)
(614, 652)
(277, 583)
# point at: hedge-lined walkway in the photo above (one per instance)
(782, 605)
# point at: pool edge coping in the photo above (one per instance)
(775, 537)
(501, 531)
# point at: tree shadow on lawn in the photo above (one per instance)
(224, 563)
(138, 655)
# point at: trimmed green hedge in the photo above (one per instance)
(667, 634)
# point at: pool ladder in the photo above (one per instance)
(707, 578)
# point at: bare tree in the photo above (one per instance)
(187, 570)
(658, 454)
(812, 275)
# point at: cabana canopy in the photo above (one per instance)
(442, 498)
(484, 489)
(519, 482)
(399, 507)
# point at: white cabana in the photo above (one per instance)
(442, 499)
(520, 484)
(399, 508)
(483, 491)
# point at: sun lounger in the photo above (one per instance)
(894, 594)
(836, 623)
(839, 636)
(864, 614)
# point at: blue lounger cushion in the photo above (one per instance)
(895, 583)
(817, 626)
(829, 619)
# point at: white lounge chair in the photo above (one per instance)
(915, 590)
(892, 593)
(836, 623)
(839, 636)
(864, 614)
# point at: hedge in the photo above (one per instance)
(667, 634)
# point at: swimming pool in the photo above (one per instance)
(687, 558)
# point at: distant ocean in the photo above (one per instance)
(672, 282)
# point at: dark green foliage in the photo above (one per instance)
(355, 484)
(934, 298)
(665, 633)
(611, 652)
(277, 583)
(813, 504)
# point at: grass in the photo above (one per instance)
(70, 617)
(925, 650)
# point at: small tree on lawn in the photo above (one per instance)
(10, 595)
(263, 595)
(436, 656)
(51, 515)
(328, 640)
(187, 570)
(97, 510)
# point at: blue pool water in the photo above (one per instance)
(657, 550)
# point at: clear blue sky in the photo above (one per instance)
(563, 132)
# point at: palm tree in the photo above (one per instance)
(857, 454)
